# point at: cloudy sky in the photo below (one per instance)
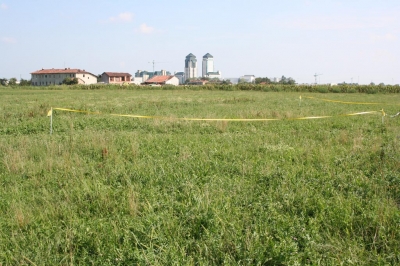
(345, 40)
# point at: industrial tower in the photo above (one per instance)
(208, 64)
(190, 66)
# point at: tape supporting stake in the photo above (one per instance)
(51, 121)
(383, 116)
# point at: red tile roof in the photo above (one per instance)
(62, 71)
(159, 79)
(117, 74)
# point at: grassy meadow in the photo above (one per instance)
(111, 190)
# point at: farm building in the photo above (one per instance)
(46, 77)
(115, 78)
(163, 80)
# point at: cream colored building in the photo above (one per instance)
(46, 77)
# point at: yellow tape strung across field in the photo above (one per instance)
(76, 111)
(334, 101)
(50, 113)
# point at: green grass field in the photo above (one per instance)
(110, 190)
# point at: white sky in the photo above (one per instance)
(348, 40)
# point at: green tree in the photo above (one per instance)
(25, 82)
(241, 80)
(291, 81)
(3, 82)
(283, 80)
(70, 81)
(263, 80)
(214, 80)
(190, 79)
(286, 81)
(12, 81)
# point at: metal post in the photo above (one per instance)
(51, 121)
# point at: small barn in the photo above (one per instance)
(115, 78)
(163, 80)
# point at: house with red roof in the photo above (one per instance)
(163, 80)
(115, 78)
(46, 77)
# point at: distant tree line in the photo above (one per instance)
(210, 80)
(13, 82)
(282, 80)
(28, 82)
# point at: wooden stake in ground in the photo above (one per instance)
(50, 113)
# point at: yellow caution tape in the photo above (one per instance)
(229, 119)
(77, 111)
(219, 119)
(334, 101)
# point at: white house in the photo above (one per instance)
(46, 77)
(248, 78)
(137, 81)
(213, 75)
(163, 80)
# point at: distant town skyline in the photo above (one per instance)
(345, 41)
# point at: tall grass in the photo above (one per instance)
(321, 88)
(120, 191)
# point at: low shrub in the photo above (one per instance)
(322, 89)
